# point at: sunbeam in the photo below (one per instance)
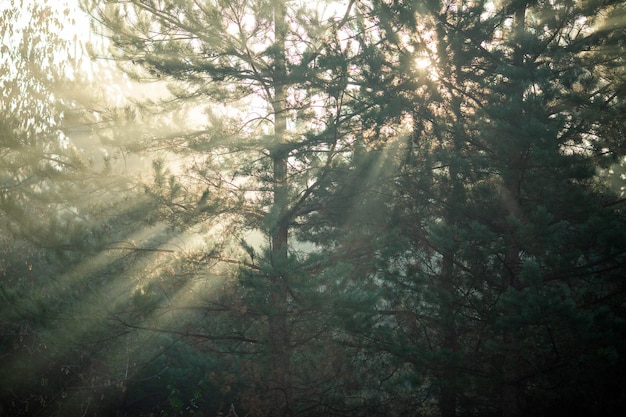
(286, 208)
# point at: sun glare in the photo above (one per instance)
(422, 63)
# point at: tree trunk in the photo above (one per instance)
(279, 338)
(448, 399)
(511, 366)
(449, 377)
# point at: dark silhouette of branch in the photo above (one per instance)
(186, 333)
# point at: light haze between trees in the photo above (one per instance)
(273, 208)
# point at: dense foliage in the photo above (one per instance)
(389, 208)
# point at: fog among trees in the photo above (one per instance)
(273, 208)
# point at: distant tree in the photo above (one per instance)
(49, 338)
(36, 155)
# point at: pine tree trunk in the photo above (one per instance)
(510, 395)
(449, 394)
(511, 366)
(448, 400)
(279, 339)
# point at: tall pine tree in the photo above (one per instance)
(512, 233)
(255, 165)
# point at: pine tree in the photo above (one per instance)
(270, 158)
(521, 105)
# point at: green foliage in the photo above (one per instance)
(502, 179)
(305, 219)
